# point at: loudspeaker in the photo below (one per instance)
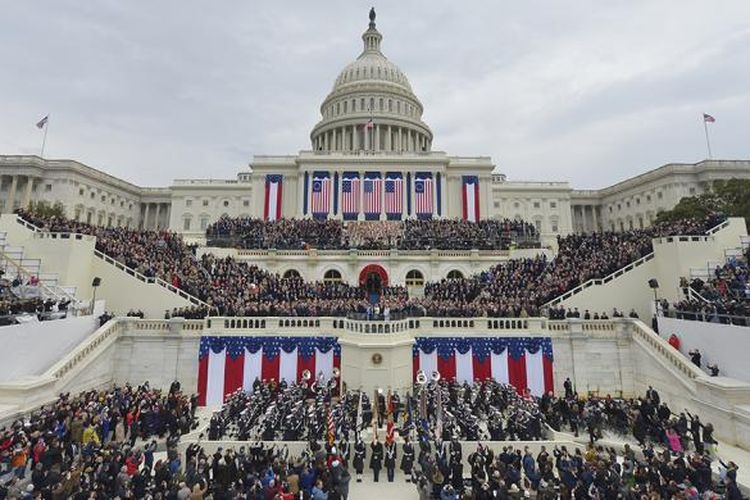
(652, 283)
(96, 281)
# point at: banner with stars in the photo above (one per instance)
(226, 364)
(526, 363)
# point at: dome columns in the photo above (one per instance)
(382, 137)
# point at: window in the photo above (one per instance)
(186, 224)
(648, 198)
(291, 273)
(204, 223)
(48, 188)
(188, 203)
(627, 204)
(455, 274)
(619, 206)
(692, 190)
(610, 209)
(555, 229)
(553, 204)
(332, 276)
(537, 204)
(659, 195)
(92, 195)
(205, 203)
(538, 225)
(516, 205)
(245, 203)
(104, 198)
(346, 106)
(226, 203)
(80, 192)
(414, 278)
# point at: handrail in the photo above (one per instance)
(666, 352)
(707, 317)
(191, 298)
(600, 281)
(150, 279)
(632, 265)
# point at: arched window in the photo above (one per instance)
(332, 276)
(414, 278)
(291, 273)
(455, 274)
(381, 104)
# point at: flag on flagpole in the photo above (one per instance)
(41, 123)
(369, 124)
(331, 427)
(389, 414)
(439, 411)
(359, 415)
(706, 118)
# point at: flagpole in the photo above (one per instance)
(44, 137)
(708, 142)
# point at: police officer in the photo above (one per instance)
(407, 458)
(359, 457)
(376, 459)
(390, 460)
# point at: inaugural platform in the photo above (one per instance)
(370, 310)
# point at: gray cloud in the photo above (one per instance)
(590, 92)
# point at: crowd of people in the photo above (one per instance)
(108, 444)
(672, 457)
(513, 288)
(299, 234)
(97, 444)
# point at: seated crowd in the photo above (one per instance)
(514, 288)
(298, 234)
(724, 298)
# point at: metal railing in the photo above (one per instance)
(707, 317)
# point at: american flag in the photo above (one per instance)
(394, 195)
(372, 188)
(708, 118)
(321, 194)
(389, 413)
(423, 196)
(350, 194)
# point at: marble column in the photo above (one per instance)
(145, 215)
(27, 194)
(12, 193)
(355, 141)
(389, 140)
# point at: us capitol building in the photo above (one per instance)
(371, 158)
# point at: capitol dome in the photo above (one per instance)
(371, 107)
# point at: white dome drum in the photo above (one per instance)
(371, 107)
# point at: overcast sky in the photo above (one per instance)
(588, 92)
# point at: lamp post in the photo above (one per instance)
(95, 284)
